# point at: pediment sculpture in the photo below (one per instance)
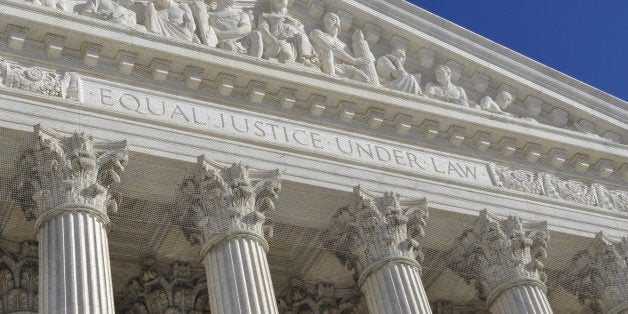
(443, 89)
(170, 19)
(393, 74)
(117, 12)
(335, 56)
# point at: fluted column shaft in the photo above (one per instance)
(395, 288)
(522, 299)
(74, 267)
(238, 278)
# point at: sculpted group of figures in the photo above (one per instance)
(279, 36)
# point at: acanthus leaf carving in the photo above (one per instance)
(546, 184)
(221, 200)
(318, 298)
(73, 172)
(497, 254)
(156, 290)
(599, 274)
(374, 229)
(19, 277)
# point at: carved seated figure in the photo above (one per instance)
(227, 28)
(170, 19)
(393, 74)
(501, 102)
(284, 37)
(117, 12)
(334, 55)
(444, 89)
(56, 4)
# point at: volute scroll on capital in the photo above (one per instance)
(223, 201)
(68, 173)
(497, 254)
(373, 231)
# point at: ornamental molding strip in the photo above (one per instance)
(157, 290)
(18, 277)
(318, 298)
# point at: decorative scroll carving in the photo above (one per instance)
(377, 229)
(222, 200)
(334, 55)
(170, 19)
(68, 173)
(155, 291)
(393, 74)
(444, 89)
(19, 278)
(321, 298)
(284, 37)
(599, 275)
(500, 254)
(549, 185)
(41, 81)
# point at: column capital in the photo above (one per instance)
(375, 230)
(599, 274)
(18, 277)
(165, 288)
(223, 201)
(68, 173)
(499, 254)
(322, 297)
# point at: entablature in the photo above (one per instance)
(101, 50)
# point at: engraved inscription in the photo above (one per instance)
(232, 123)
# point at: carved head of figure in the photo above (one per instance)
(443, 75)
(279, 6)
(503, 99)
(224, 4)
(400, 54)
(331, 24)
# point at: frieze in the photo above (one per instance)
(39, 80)
(323, 297)
(160, 291)
(263, 129)
(274, 34)
(549, 185)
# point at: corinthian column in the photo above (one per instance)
(377, 237)
(503, 259)
(598, 275)
(63, 185)
(223, 210)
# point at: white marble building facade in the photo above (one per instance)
(302, 156)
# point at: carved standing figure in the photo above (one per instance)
(501, 102)
(170, 19)
(393, 74)
(444, 89)
(227, 28)
(284, 37)
(334, 55)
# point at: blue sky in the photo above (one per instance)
(585, 39)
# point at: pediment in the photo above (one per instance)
(552, 118)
